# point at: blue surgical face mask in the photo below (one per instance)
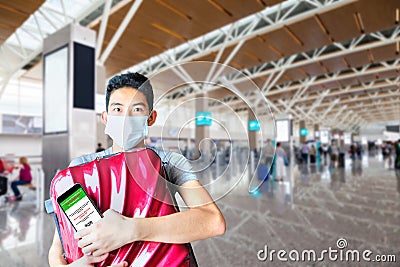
(127, 131)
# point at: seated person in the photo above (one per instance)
(25, 177)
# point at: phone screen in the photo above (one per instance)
(79, 209)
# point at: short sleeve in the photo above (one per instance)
(178, 168)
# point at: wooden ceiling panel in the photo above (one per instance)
(239, 8)
(313, 69)
(162, 24)
(178, 21)
(377, 15)
(385, 53)
(310, 33)
(349, 81)
(283, 79)
(388, 74)
(199, 10)
(260, 46)
(331, 84)
(357, 59)
(296, 74)
(14, 13)
(282, 42)
(209, 57)
(247, 58)
(344, 28)
(366, 78)
(334, 64)
(219, 93)
(259, 82)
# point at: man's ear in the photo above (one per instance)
(104, 117)
(152, 118)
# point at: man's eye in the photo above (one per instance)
(117, 109)
(137, 109)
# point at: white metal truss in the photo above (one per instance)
(272, 69)
(267, 20)
(128, 17)
(103, 27)
(46, 20)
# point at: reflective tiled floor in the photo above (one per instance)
(359, 203)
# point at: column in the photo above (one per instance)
(341, 139)
(101, 84)
(69, 117)
(316, 129)
(252, 134)
(202, 128)
(302, 124)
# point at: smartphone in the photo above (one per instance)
(78, 207)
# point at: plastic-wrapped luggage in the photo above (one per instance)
(133, 184)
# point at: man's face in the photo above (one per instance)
(128, 102)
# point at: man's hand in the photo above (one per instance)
(122, 264)
(105, 235)
(88, 261)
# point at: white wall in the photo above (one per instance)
(20, 145)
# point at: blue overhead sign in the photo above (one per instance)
(303, 132)
(203, 118)
(254, 125)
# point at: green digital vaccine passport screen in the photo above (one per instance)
(80, 210)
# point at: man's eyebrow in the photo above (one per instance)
(116, 104)
(139, 104)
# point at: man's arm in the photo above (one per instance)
(56, 258)
(55, 253)
(202, 220)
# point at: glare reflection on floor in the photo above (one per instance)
(360, 203)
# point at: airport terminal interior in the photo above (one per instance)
(287, 112)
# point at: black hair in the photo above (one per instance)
(131, 80)
(278, 144)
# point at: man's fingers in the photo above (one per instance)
(86, 241)
(95, 259)
(121, 264)
(88, 250)
(83, 232)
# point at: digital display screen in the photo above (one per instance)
(324, 136)
(347, 138)
(254, 125)
(283, 130)
(203, 118)
(56, 91)
(84, 76)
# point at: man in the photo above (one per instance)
(99, 147)
(129, 103)
(268, 151)
(304, 152)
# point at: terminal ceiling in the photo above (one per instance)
(335, 63)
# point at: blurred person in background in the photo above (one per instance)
(304, 152)
(334, 152)
(280, 163)
(100, 148)
(25, 177)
